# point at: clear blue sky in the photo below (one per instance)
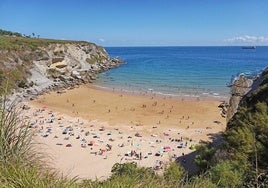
(141, 22)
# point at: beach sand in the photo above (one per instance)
(103, 127)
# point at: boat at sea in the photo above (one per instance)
(249, 47)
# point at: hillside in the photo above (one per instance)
(35, 64)
(247, 131)
(242, 159)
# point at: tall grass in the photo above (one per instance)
(15, 137)
(18, 174)
(20, 164)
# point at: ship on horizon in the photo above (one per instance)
(249, 47)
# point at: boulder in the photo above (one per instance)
(57, 59)
(58, 65)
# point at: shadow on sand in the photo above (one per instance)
(187, 161)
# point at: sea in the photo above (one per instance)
(184, 72)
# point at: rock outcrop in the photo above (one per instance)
(239, 88)
(74, 62)
(55, 65)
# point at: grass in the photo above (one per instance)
(20, 164)
(15, 137)
(18, 43)
(17, 174)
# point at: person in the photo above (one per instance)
(160, 164)
(140, 156)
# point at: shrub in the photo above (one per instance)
(227, 174)
(22, 84)
(174, 174)
(20, 164)
(15, 137)
(204, 156)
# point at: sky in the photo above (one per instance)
(141, 22)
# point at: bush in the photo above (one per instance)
(174, 174)
(15, 137)
(227, 174)
(200, 182)
(204, 156)
(22, 84)
(20, 164)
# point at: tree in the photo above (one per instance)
(204, 156)
(227, 174)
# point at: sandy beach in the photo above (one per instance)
(87, 130)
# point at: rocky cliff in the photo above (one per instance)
(241, 87)
(71, 63)
(35, 65)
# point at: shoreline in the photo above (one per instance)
(127, 123)
(150, 93)
(108, 105)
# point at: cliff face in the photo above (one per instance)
(238, 89)
(71, 63)
(241, 89)
(249, 125)
(37, 64)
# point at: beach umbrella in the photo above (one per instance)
(68, 145)
(91, 143)
(101, 128)
(167, 148)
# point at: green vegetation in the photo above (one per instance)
(204, 157)
(14, 136)
(9, 33)
(246, 137)
(95, 59)
(130, 175)
(17, 54)
(227, 174)
(242, 160)
(20, 163)
(22, 43)
(16, 57)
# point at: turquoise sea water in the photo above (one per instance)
(181, 71)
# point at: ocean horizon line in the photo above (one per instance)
(182, 46)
